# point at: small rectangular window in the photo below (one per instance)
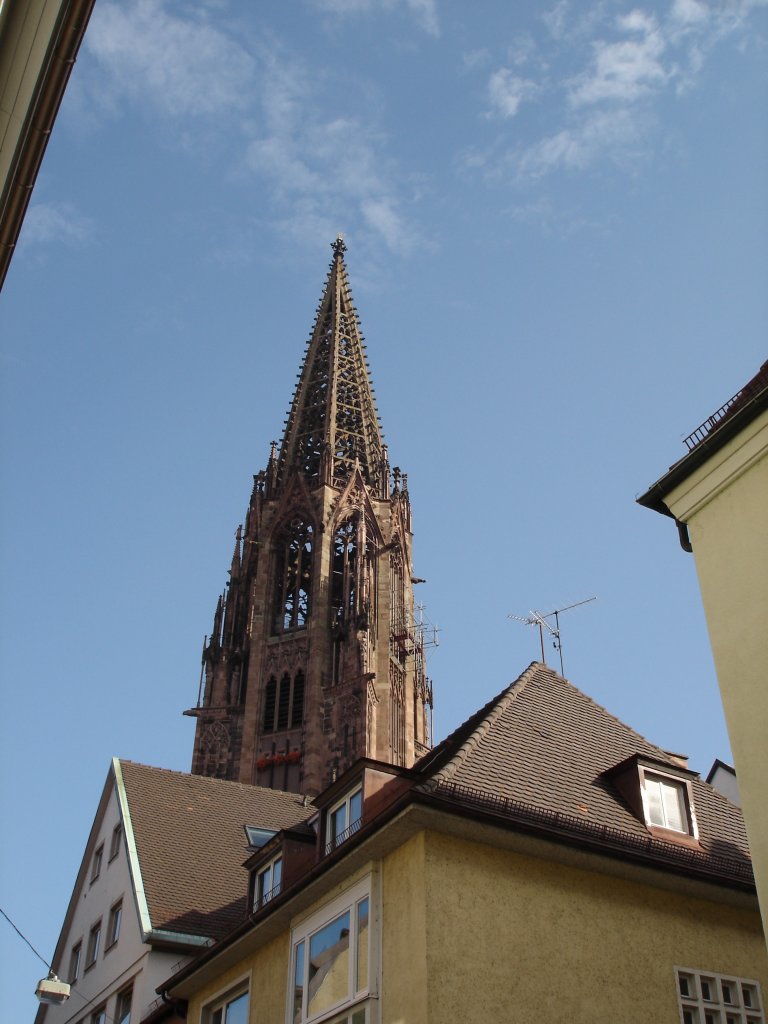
(123, 1007)
(74, 963)
(114, 846)
(344, 819)
(231, 1010)
(98, 856)
(115, 920)
(94, 940)
(99, 1016)
(268, 882)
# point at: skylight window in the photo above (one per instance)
(258, 837)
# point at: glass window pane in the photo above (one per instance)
(674, 806)
(355, 807)
(277, 874)
(328, 974)
(362, 945)
(298, 981)
(339, 821)
(237, 1010)
(655, 805)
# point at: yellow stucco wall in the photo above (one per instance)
(725, 504)
(475, 934)
(404, 950)
(514, 939)
(267, 972)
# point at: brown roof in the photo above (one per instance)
(541, 749)
(191, 846)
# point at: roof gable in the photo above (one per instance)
(190, 845)
(543, 743)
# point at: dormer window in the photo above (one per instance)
(344, 818)
(665, 803)
(659, 793)
(268, 880)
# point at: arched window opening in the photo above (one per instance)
(397, 600)
(297, 706)
(270, 697)
(344, 571)
(284, 702)
(293, 577)
(352, 573)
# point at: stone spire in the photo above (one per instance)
(333, 423)
(315, 659)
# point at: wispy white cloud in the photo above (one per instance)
(424, 11)
(620, 69)
(47, 223)
(627, 69)
(506, 91)
(319, 169)
(181, 64)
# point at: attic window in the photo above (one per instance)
(666, 802)
(258, 837)
(344, 819)
(268, 881)
(660, 794)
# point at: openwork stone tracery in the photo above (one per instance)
(314, 659)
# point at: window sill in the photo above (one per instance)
(669, 835)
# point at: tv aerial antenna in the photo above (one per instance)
(540, 619)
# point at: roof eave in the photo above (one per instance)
(655, 497)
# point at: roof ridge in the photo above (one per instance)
(477, 726)
(209, 780)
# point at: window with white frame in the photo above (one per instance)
(665, 802)
(267, 884)
(94, 941)
(231, 1009)
(332, 966)
(74, 963)
(114, 846)
(98, 857)
(123, 1006)
(708, 998)
(115, 920)
(344, 818)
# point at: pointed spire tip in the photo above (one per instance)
(339, 248)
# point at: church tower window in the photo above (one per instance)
(344, 572)
(293, 577)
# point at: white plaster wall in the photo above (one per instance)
(129, 959)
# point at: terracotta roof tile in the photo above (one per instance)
(191, 845)
(544, 743)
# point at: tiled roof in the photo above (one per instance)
(191, 845)
(542, 746)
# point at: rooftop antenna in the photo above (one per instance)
(539, 619)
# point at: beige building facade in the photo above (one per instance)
(718, 495)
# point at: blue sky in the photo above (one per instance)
(556, 221)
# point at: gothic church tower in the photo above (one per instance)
(314, 660)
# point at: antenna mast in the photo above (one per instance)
(539, 619)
